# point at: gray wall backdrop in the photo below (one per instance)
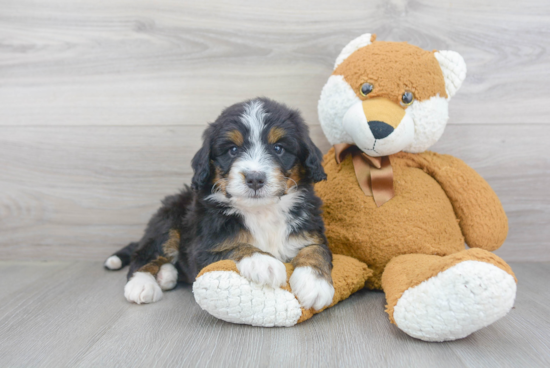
(103, 102)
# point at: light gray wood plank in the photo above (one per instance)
(16, 277)
(78, 317)
(59, 316)
(179, 334)
(83, 192)
(135, 62)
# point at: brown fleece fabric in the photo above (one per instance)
(433, 211)
(348, 276)
(407, 271)
(393, 68)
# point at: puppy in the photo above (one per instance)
(251, 201)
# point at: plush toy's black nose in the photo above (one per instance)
(255, 180)
(380, 129)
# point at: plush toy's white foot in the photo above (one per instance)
(234, 298)
(142, 288)
(456, 302)
(113, 263)
(310, 289)
(263, 270)
(167, 277)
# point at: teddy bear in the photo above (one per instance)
(397, 216)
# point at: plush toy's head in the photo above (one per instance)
(386, 97)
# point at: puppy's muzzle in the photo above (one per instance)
(255, 180)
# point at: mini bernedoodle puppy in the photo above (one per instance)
(251, 201)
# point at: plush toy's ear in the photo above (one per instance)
(201, 164)
(313, 161)
(361, 41)
(453, 68)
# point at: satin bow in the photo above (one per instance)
(374, 174)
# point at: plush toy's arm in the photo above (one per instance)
(224, 293)
(482, 219)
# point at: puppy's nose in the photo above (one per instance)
(255, 180)
(380, 129)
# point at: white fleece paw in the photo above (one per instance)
(113, 263)
(456, 302)
(233, 298)
(167, 276)
(142, 288)
(263, 269)
(310, 289)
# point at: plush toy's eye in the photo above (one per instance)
(407, 98)
(233, 151)
(366, 88)
(278, 149)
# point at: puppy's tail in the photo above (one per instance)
(121, 258)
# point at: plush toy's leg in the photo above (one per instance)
(221, 291)
(437, 298)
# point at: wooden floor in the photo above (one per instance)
(73, 314)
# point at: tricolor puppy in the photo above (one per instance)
(252, 201)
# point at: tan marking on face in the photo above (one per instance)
(154, 267)
(219, 181)
(382, 109)
(275, 134)
(236, 137)
(393, 68)
(171, 247)
(316, 257)
(295, 175)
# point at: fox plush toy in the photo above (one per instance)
(397, 216)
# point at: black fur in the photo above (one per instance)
(201, 162)
(204, 224)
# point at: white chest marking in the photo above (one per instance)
(270, 225)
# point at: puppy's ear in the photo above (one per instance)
(201, 164)
(313, 161)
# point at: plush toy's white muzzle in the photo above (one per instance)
(375, 133)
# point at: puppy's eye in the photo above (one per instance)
(278, 149)
(233, 151)
(366, 88)
(407, 98)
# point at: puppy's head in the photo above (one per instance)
(256, 150)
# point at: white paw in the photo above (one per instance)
(142, 288)
(456, 302)
(263, 269)
(113, 263)
(310, 289)
(167, 276)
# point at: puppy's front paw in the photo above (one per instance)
(311, 289)
(263, 269)
(142, 288)
(167, 277)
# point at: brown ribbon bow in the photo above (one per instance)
(374, 174)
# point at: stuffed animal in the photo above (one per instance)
(397, 216)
